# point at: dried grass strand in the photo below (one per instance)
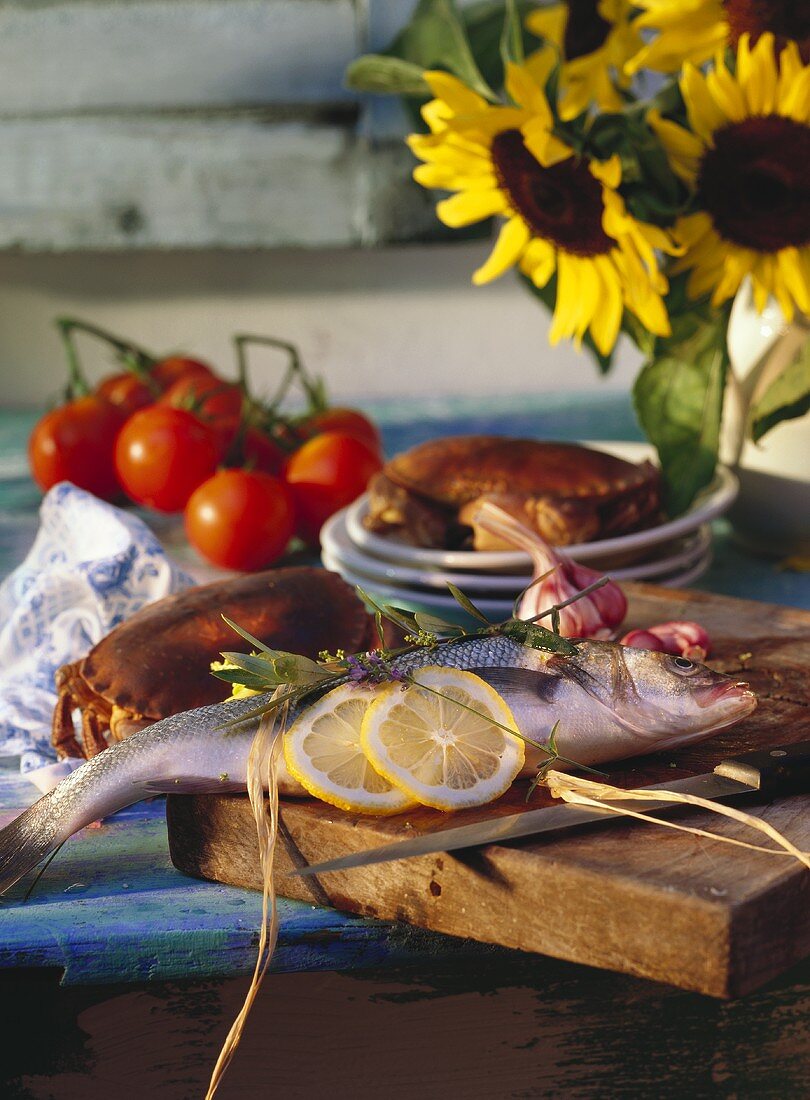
(586, 792)
(261, 774)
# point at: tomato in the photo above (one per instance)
(240, 519)
(326, 474)
(162, 454)
(260, 452)
(75, 443)
(347, 421)
(126, 390)
(217, 403)
(167, 371)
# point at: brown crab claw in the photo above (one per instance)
(157, 663)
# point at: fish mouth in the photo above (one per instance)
(729, 702)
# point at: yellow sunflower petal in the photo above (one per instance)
(607, 171)
(454, 92)
(539, 261)
(449, 178)
(549, 23)
(795, 275)
(540, 141)
(524, 91)
(756, 73)
(683, 148)
(705, 116)
(512, 239)
(607, 320)
(468, 207)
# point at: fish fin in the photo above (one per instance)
(530, 685)
(24, 844)
(192, 784)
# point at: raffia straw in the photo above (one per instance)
(586, 792)
(261, 774)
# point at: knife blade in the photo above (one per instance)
(783, 770)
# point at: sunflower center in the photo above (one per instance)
(785, 19)
(755, 183)
(562, 204)
(585, 29)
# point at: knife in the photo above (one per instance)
(769, 772)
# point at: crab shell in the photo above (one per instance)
(565, 492)
(157, 663)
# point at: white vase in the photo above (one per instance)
(772, 511)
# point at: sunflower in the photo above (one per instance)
(563, 213)
(594, 39)
(694, 30)
(746, 158)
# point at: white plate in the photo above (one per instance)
(495, 608)
(336, 542)
(712, 502)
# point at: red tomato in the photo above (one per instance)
(347, 421)
(217, 403)
(125, 390)
(240, 519)
(326, 474)
(162, 454)
(75, 443)
(260, 452)
(168, 370)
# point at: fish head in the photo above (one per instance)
(665, 698)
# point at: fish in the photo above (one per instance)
(611, 701)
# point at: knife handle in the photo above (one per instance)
(781, 770)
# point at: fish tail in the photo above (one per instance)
(25, 842)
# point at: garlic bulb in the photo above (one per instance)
(681, 637)
(596, 615)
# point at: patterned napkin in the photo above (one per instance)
(91, 566)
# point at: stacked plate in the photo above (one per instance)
(674, 554)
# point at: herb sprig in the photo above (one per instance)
(267, 670)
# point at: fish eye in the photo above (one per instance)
(684, 664)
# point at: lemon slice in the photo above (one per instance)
(322, 751)
(436, 750)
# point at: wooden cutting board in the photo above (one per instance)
(631, 897)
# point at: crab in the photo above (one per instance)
(567, 493)
(157, 663)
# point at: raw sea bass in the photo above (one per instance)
(611, 702)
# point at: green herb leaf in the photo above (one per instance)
(432, 624)
(467, 604)
(512, 36)
(399, 617)
(257, 667)
(787, 398)
(386, 76)
(678, 398)
(250, 638)
(537, 637)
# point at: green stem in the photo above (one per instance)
(312, 388)
(77, 384)
(133, 356)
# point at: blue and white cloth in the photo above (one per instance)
(91, 566)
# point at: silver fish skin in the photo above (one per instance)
(611, 701)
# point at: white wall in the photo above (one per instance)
(378, 323)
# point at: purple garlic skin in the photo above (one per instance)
(680, 637)
(558, 579)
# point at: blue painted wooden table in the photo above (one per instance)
(111, 908)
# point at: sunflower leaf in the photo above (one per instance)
(678, 397)
(386, 76)
(436, 38)
(512, 36)
(787, 397)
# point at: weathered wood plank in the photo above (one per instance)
(174, 181)
(77, 55)
(632, 897)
